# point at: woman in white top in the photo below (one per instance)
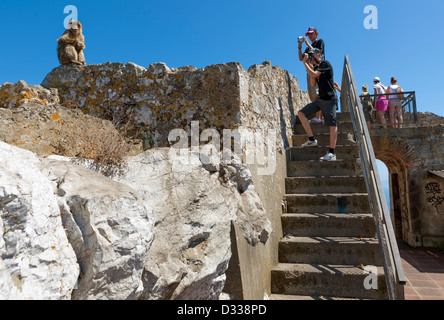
(395, 103)
(381, 101)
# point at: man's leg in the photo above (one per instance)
(309, 109)
(329, 111)
(305, 124)
(333, 137)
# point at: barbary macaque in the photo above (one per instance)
(71, 45)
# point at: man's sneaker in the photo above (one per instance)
(310, 143)
(316, 120)
(329, 157)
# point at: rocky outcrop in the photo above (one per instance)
(193, 206)
(15, 95)
(36, 259)
(159, 230)
(68, 232)
(32, 118)
(108, 226)
(428, 119)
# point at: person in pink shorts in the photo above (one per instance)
(381, 101)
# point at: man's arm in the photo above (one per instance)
(314, 75)
(337, 87)
(310, 47)
(301, 55)
(313, 81)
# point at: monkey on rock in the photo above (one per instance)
(71, 45)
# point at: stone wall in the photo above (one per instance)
(158, 98)
(270, 99)
(411, 154)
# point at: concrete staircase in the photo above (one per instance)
(329, 234)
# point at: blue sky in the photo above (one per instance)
(407, 44)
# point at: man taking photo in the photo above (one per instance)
(322, 75)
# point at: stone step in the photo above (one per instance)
(331, 250)
(317, 128)
(338, 184)
(324, 139)
(343, 117)
(317, 168)
(346, 281)
(327, 202)
(329, 224)
(314, 153)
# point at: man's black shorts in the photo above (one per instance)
(328, 108)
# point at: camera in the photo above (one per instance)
(301, 39)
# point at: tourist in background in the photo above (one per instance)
(395, 109)
(381, 101)
(367, 105)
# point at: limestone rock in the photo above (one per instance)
(250, 214)
(109, 228)
(15, 95)
(99, 239)
(32, 118)
(192, 208)
(67, 232)
(36, 259)
(158, 68)
(429, 119)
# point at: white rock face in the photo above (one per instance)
(109, 228)
(160, 230)
(36, 259)
(98, 253)
(193, 206)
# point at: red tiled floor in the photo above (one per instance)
(424, 270)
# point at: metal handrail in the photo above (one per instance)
(409, 100)
(394, 274)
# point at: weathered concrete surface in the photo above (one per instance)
(309, 279)
(252, 266)
(417, 204)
